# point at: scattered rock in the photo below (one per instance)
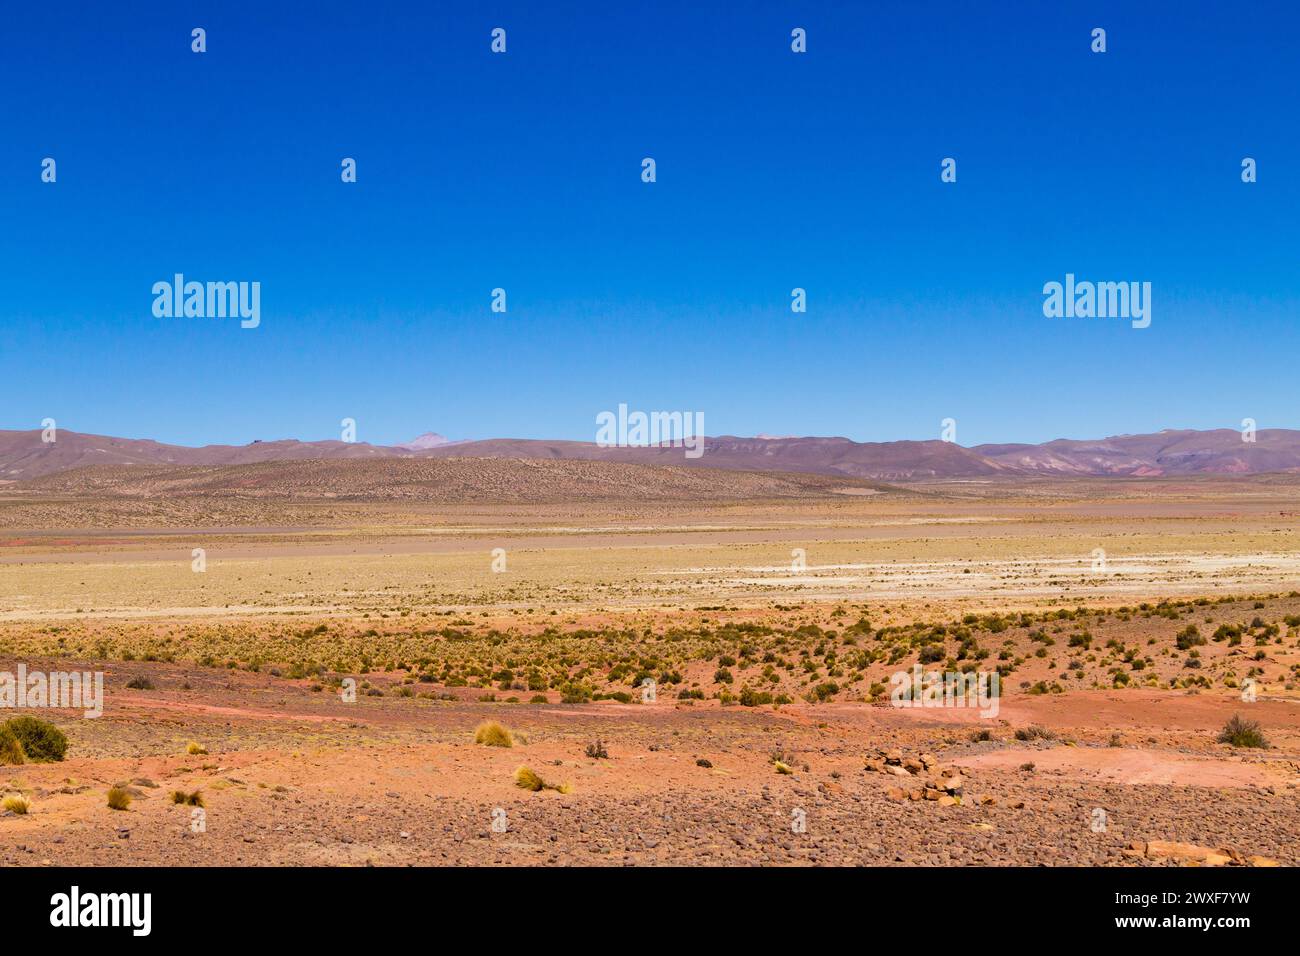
(1190, 854)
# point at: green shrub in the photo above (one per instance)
(824, 692)
(1035, 733)
(41, 741)
(931, 654)
(1242, 733)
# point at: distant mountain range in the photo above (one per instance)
(1167, 453)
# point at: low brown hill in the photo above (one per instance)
(1165, 454)
(1171, 452)
(24, 455)
(886, 461)
(436, 480)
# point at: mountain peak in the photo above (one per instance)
(427, 440)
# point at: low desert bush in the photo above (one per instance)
(1242, 733)
(194, 799)
(42, 742)
(118, 798)
(195, 749)
(781, 761)
(1035, 732)
(1188, 638)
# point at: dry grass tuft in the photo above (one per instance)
(527, 779)
(11, 749)
(15, 803)
(491, 734)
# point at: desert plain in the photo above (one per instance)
(694, 665)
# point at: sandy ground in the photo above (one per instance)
(404, 599)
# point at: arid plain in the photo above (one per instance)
(1127, 619)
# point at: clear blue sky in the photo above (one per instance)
(775, 170)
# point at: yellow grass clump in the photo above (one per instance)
(11, 749)
(194, 799)
(118, 798)
(194, 748)
(16, 804)
(527, 779)
(491, 734)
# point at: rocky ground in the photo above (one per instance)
(293, 777)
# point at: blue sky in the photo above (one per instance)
(522, 171)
